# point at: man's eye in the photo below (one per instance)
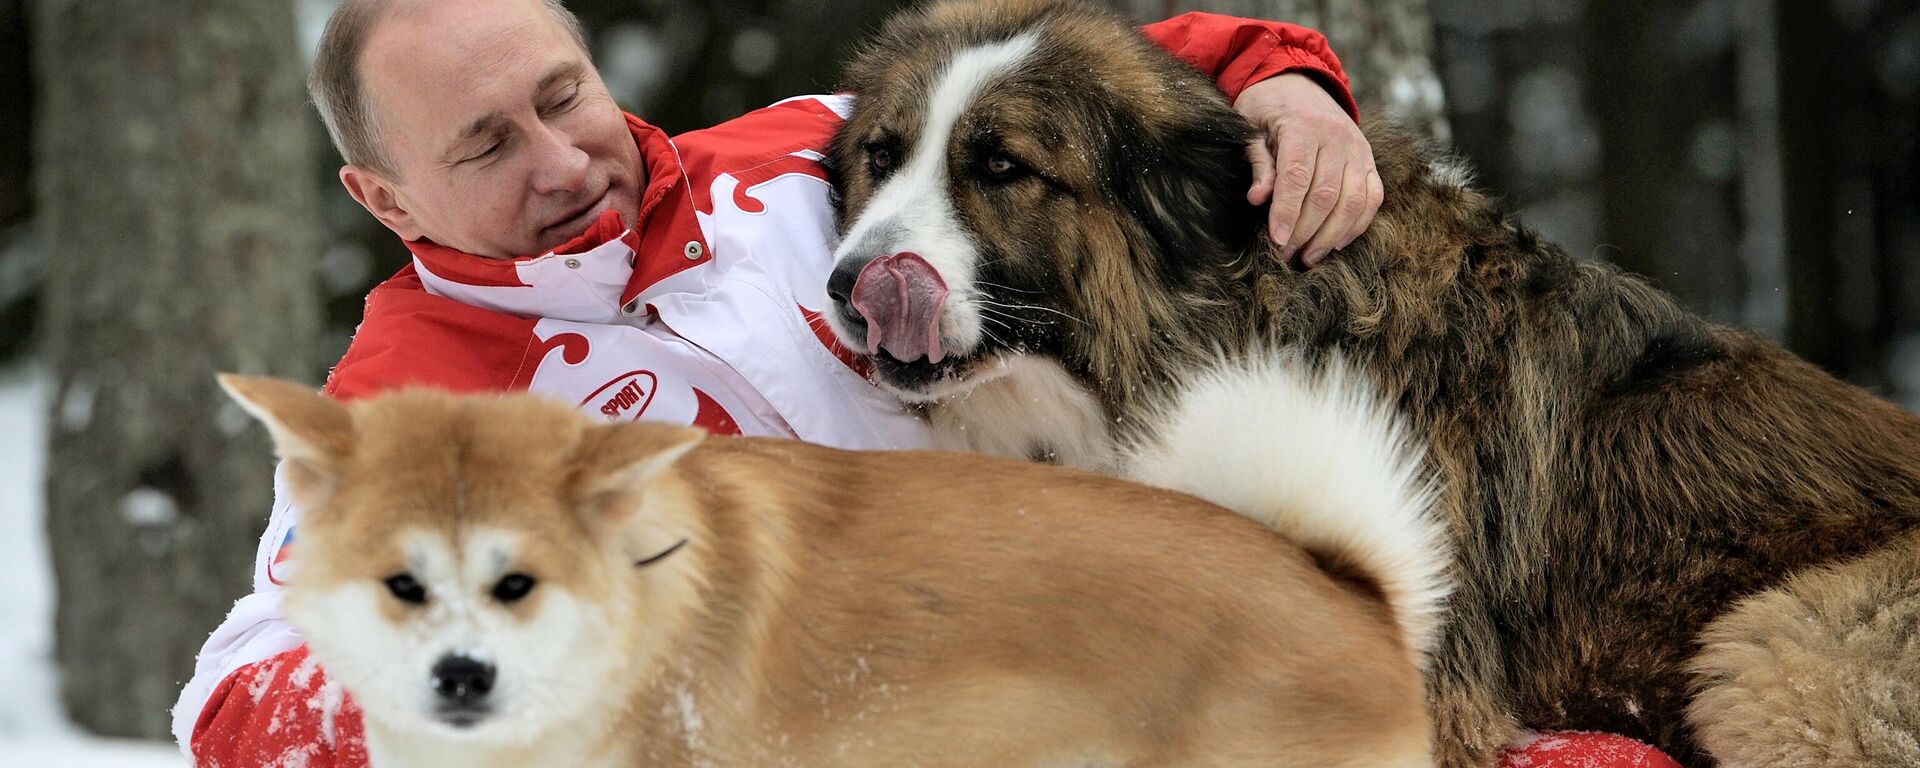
(490, 151)
(565, 102)
(406, 589)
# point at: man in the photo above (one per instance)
(562, 247)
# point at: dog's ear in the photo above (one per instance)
(312, 433)
(615, 463)
(1185, 180)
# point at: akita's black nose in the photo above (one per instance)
(462, 680)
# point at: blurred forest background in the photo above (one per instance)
(168, 207)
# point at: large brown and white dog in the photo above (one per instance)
(1665, 528)
(505, 582)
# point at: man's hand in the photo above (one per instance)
(1312, 162)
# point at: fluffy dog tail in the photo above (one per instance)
(1318, 457)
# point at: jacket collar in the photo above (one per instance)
(593, 277)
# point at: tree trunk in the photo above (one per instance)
(1662, 94)
(15, 88)
(20, 271)
(1810, 154)
(176, 204)
(1762, 198)
(1386, 47)
(1630, 85)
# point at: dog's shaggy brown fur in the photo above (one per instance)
(1666, 528)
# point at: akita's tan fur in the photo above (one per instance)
(828, 608)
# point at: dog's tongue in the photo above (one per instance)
(901, 296)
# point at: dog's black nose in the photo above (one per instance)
(462, 680)
(840, 283)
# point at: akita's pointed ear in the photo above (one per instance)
(311, 432)
(617, 462)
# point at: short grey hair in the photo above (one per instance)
(340, 96)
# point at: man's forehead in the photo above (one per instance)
(461, 58)
(420, 40)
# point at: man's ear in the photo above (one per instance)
(312, 433)
(615, 463)
(381, 197)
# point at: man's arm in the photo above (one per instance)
(1237, 52)
(279, 711)
(1310, 160)
(254, 698)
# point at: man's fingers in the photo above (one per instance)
(1375, 194)
(1293, 175)
(1262, 159)
(1349, 204)
(1318, 203)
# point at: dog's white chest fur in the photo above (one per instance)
(1035, 410)
(399, 749)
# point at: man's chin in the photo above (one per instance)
(559, 234)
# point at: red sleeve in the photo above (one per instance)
(409, 337)
(1566, 749)
(1239, 52)
(280, 711)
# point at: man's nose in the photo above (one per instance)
(560, 165)
(461, 680)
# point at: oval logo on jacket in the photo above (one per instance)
(625, 397)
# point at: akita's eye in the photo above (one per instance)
(406, 589)
(512, 587)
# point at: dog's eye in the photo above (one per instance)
(512, 587)
(1000, 167)
(880, 160)
(406, 589)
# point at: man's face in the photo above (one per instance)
(503, 139)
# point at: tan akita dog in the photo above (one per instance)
(504, 581)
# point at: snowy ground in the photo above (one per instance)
(32, 730)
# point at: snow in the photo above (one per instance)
(146, 506)
(32, 729)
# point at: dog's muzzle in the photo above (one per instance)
(898, 298)
(463, 685)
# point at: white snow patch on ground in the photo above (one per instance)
(33, 732)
